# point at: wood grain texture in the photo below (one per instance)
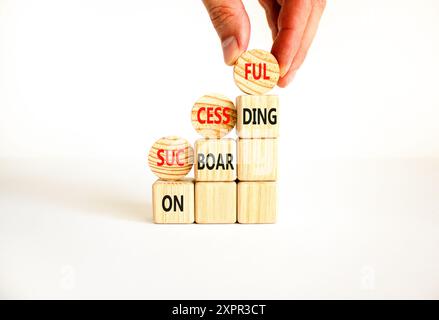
(171, 158)
(257, 159)
(258, 116)
(215, 160)
(215, 202)
(173, 201)
(261, 73)
(257, 202)
(213, 115)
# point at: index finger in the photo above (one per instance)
(293, 18)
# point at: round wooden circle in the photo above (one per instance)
(213, 116)
(171, 158)
(261, 69)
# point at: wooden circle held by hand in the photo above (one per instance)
(171, 158)
(256, 72)
(213, 116)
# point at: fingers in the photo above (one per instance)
(232, 24)
(293, 17)
(272, 9)
(308, 36)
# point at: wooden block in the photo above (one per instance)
(173, 201)
(256, 72)
(257, 159)
(215, 202)
(257, 202)
(171, 158)
(215, 160)
(257, 116)
(213, 116)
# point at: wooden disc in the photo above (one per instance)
(171, 158)
(213, 116)
(256, 72)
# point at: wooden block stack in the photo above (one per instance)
(171, 159)
(234, 180)
(256, 72)
(213, 116)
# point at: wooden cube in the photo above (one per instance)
(215, 202)
(257, 202)
(257, 159)
(215, 160)
(257, 116)
(173, 201)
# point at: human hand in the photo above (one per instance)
(293, 24)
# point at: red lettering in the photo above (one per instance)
(218, 115)
(169, 161)
(214, 115)
(159, 155)
(247, 70)
(178, 158)
(199, 115)
(226, 115)
(209, 115)
(257, 71)
(171, 157)
(265, 72)
(256, 77)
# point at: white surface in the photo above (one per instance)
(87, 86)
(363, 229)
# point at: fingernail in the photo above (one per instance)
(285, 68)
(283, 71)
(230, 50)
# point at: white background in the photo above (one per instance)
(86, 86)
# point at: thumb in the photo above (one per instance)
(232, 25)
